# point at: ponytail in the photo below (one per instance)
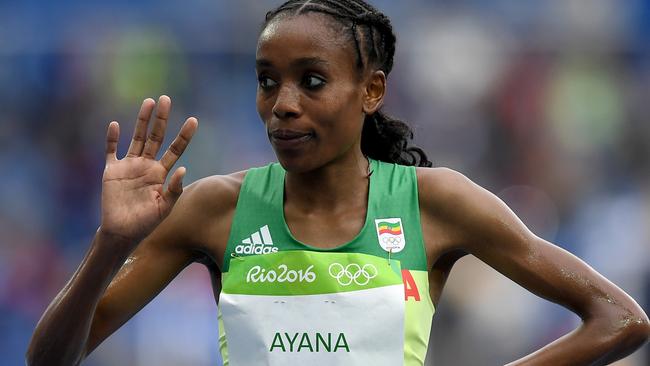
(387, 139)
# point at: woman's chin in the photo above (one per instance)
(298, 163)
(295, 164)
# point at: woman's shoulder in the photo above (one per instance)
(217, 195)
(442, 183)
(446, 191)
(214, 193)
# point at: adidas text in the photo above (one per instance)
(255, 249)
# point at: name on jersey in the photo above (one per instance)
(306, 342)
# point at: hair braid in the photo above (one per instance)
(383, 137)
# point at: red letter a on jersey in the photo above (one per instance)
(410, 287)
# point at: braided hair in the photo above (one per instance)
(383, 137)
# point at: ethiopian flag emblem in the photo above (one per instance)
(390, 234)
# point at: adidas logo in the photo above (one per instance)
(259, 242)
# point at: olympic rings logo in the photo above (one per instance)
(391, 240)
(353, 272)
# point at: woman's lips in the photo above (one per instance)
(289, 139)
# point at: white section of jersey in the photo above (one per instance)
(285, 330)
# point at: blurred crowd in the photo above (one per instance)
(545, 103)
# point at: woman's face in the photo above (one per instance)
(310, 92)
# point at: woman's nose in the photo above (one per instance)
(287, 103)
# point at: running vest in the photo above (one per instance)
(365, 302)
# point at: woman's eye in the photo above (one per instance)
(313, 82)
(266, 82)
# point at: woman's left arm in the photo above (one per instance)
(613, 324)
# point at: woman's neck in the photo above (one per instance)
(342, 182)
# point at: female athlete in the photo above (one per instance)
(338, 254)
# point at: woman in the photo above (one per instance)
(337, 255)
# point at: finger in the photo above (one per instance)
(179, 144)
(140, 132)
(157, 133)
(112, 136)
(175, 186)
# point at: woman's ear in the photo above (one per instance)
(375, 89)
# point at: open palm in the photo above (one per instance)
(134, 200)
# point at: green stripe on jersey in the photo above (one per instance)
(309, 273)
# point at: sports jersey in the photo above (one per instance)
(364, 302)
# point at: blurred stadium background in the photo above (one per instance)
(545, 103)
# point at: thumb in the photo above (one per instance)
(175, 186)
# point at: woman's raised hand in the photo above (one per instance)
(134, 200)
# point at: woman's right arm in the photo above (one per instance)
(96, 300)
(92, 305)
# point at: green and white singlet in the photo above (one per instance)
(283, 301)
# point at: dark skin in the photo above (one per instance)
(312, 99)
